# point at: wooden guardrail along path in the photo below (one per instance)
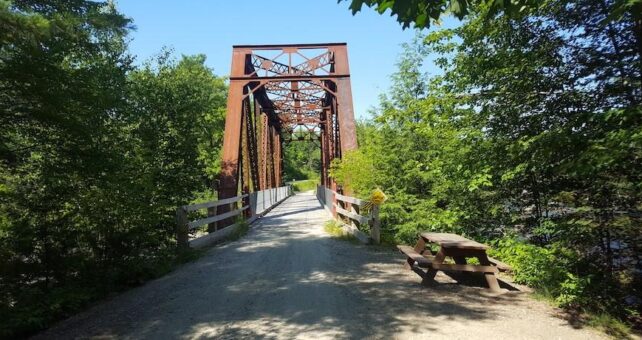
(349, 210)
(252, 206)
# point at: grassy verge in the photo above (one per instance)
(241, 229)
(603, 322)
(334, 228)
(609, 325)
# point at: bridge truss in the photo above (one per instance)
(279, 94)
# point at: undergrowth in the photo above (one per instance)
(334, 228)
(242, 227)
(609, 325)
(559, 278)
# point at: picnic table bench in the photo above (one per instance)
(458, 248)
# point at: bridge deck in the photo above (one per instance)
(288, 279)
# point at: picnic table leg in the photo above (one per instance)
(491, 279)
(430, 273)
(460, 260)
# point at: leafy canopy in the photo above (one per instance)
(424, 14)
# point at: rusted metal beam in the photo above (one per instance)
(252, 127)
(231, 142)
(291, 77)
(344, 100)
(264, 150)
(275, 47)
(228, 178)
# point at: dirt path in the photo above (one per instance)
(288, 279)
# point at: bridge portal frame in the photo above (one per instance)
(268, 98)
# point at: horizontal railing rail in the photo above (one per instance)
(216, 218)
(251, 206)
(212, 204)
(351, 212)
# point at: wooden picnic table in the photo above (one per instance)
(456, 247)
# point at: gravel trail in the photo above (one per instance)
(288, 279)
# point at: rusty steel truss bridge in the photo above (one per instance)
(280, 94)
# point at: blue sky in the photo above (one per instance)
(212, 27)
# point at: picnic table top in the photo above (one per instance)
(453, 241)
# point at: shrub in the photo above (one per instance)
(544, 268)
(333, 228)
(242, 227)
(572, 293)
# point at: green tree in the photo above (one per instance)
(530, 135)
(179, 116)
(62, 73)
(422, 14)
(301, 158)
(94, 157)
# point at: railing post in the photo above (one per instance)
(375, 228)
(333, 204)
(245, 201)
(182, 237)
(212, 227)
(254, 204)
(353, 208)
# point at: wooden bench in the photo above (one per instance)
(411, 253)
(503, 267)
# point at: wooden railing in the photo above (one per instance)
(350, 211)
(252, 206)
